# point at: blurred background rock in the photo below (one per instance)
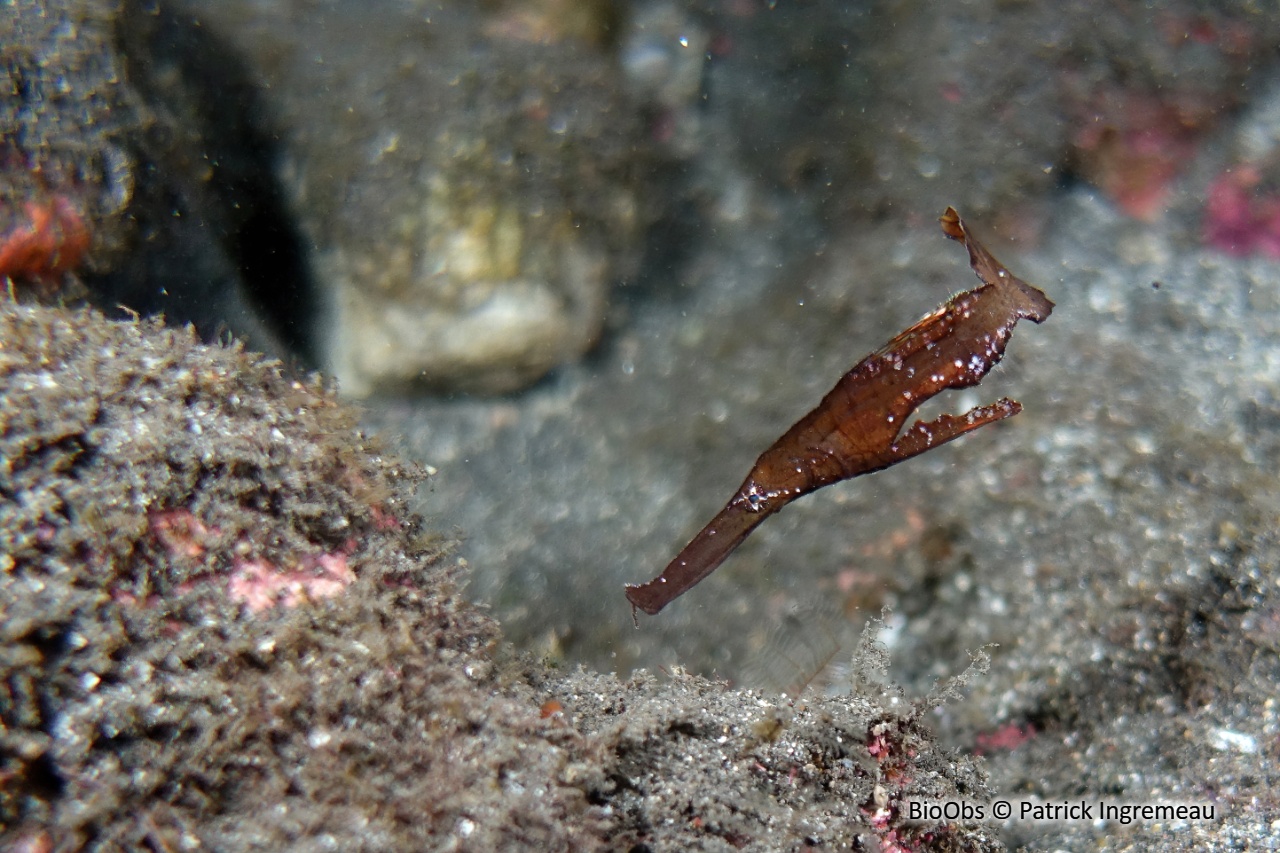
(458, 196)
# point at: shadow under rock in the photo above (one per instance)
(215, 245)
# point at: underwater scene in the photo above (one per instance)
(647, 425)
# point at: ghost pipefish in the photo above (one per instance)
(860, 426)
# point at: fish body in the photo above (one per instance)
(861, 424)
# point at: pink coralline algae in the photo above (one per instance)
(1133, 146)
(1004, 738)
(887, 744)
(259, 585)
(1240, 218)
(255, 582)
(180, 532)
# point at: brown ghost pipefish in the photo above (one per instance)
(859, 426)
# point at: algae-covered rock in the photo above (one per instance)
(220, 625)
(131, 174)
(690, 765)
(69, 120)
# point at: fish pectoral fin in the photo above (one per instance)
(922, 436)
